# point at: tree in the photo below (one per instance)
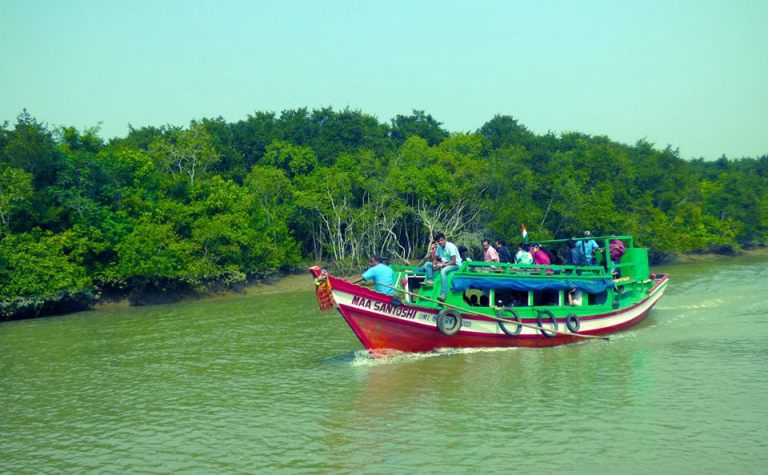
(38, 277)
(154, 253)
(418, 124)
(187, 153)
(31, 147)
(292, 159)
(504, 130)
(15, 189)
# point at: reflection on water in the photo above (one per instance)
(265, 382)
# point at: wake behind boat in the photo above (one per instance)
(499, 305)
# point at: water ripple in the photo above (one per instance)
(266, 383)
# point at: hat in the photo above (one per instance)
(587, 233)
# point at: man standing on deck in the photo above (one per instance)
(381, 275)
(501, 248)
(447, 260)
(589, 246)
(489, 253)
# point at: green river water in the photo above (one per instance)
(265, 383)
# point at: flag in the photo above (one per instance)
(524, 233)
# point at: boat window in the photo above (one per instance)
(477, 298)
(511, 298)
(546, 298)
(597, 299)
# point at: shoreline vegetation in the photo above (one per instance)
(170, 212)
(299, 279)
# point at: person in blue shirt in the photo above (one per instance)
(381, 274)
(589, 246)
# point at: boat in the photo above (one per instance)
(499, 304)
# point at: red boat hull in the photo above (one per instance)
(380, 325)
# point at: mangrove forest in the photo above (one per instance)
(170, 210)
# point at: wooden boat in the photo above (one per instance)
(498, 305)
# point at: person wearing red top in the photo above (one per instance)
(489, 253)
(540, 257)
(616, 251)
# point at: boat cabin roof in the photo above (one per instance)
(591, 279)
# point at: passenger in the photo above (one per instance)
(617, 250)
(381, 274)
(473, 300)
(589, 246)
(484, 300)
(501, 248)
(430, 255)
(447, 260)
(553, 257)
(523, 256)
(574, 298)
(463, 253)
(489, 253)
(575, 255)
(540, 257)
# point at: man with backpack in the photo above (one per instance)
(588, 247)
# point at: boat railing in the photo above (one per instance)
(522, 270)
(539, 270)
(605, 268)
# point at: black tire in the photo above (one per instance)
(445, 315)
(573, 323)
(515, 317)
(540, 320)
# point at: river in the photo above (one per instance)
(264, 382)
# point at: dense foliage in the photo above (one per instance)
(178, 210)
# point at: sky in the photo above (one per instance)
(690, 74)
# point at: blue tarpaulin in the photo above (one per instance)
(525, 284)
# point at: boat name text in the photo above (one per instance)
(382, 307)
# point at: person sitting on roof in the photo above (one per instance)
(464, 254)
(523, 256)
(430, 255)
(540, 256)
(447, 260)
(381, 275)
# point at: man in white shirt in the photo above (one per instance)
(447, 260)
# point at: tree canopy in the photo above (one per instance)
(190, 209)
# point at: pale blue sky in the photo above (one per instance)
(686, 73)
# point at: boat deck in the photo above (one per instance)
(491, 285)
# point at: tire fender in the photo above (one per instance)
(444, 319)
(514, 316)
(546, 314)
(573, 323)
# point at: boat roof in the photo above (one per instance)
(487, 275)
(628, 241)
